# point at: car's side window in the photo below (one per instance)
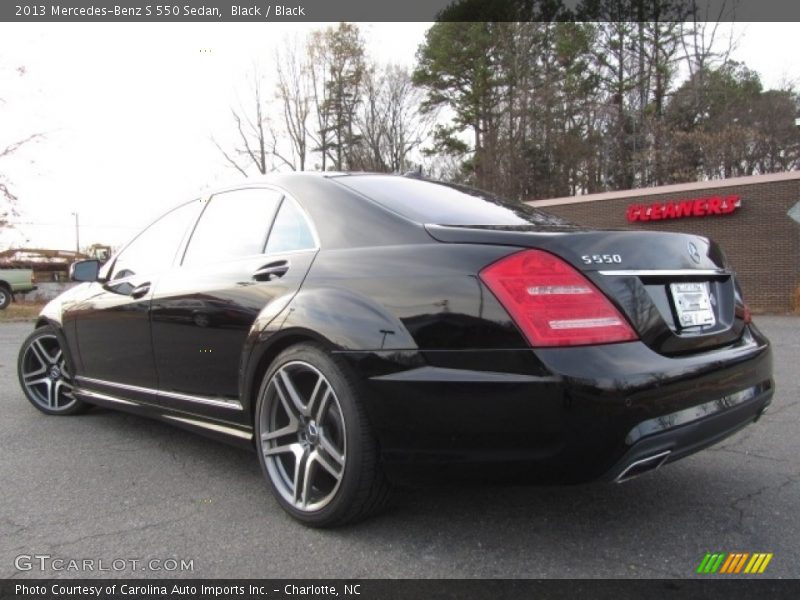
(155, 248)
(233, 225)
(291, 231)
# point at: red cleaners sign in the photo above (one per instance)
(678, 209)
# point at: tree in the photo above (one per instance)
(338, 66)
(777, 141)
(457, 66)
(294, 99)
(583, 101)
(266, 142)
(389, 124)
(327, 103)
(701, 36)
(723, 124)
(344, 48)
(251, 148)
(524, 93)
(8, 198)
(319, 61)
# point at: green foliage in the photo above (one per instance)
(343, 48)
(454, 64)
(498, 11)
(724, 124)
(548, 108)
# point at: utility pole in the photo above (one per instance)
(77, 235)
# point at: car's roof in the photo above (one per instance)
(355, 209)
(344, 218)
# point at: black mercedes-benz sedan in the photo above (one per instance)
(360, 329)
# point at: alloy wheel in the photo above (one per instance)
(303, 436)
(45, 375)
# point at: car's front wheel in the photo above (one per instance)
(315, 443)
(44, 374)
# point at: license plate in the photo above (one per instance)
(693, 303)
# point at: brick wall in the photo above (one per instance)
(761, 241)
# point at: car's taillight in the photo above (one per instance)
(553, 303)
(743, 312)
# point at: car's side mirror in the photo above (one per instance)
(84, 270)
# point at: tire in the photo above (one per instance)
(44, 372)
(201, 320)
(311, 428)
(5, 297)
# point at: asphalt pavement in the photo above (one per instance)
(122, 491)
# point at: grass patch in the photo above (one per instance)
(17, 311)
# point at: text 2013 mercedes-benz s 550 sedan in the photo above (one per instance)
(358, 329)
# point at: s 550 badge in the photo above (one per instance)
(601, 259)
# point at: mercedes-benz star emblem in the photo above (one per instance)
(693, 252)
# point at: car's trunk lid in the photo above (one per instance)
(677, 290)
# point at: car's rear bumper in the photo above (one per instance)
(558, 415)
(662, 440)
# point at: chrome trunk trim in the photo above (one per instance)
(667, 273)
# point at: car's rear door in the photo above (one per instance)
(204, 310)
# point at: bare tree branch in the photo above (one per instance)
(10, 149)
(274, 151)
(229, 159)
(251, 138)
(7, 194)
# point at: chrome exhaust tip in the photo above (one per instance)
(643, 465)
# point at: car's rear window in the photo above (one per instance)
(439, 203)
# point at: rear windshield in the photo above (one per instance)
(439, 203)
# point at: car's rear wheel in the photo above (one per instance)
(5, 297)
(315, 444)
(44, 373)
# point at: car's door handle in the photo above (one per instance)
(273, 269)
(140, 290)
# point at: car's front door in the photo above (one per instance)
(203, 310)
(111, 320)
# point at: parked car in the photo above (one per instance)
(14, 281)
(364, 329)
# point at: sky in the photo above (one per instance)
(128, 110)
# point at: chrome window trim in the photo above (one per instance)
(108, 268)
(206, 200)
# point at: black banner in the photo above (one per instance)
(407, 10)
(384, 589)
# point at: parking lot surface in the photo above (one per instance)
(106, 486)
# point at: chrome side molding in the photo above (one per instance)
(210, 426)
(230, 404)
(216, 427)
(105, 397)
